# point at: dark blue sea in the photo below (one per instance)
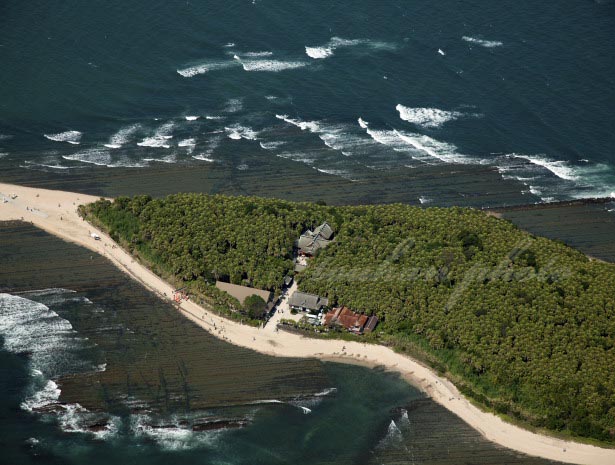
(352, 91)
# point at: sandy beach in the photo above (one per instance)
(56, 213)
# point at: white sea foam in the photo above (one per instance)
(205, 67)
(76, 419)
(237, 131)
(328, 49)
(170, 159)
(160, 138)
(188, 144)
(3, 154)
(191, 118)
(72, 137)
(48, 395)
(427, 117)
(95, 156)
(203, 157)
(437, 149)
(256, 54)
(272, 145)
(393, 433)
(559, 168)
(326, 392)
(297, 156)
(318, 52)
(122, 137)
(274, 66)
(303, 125)
(47, 292)
(32, 164)
(32, 328)
(6, 136)
(557, 179)
(229, 45)
(424, 199)
(482, 43)
(101, 156)
(333, 172)
(174, 436)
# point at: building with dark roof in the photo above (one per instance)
(311, 241)
(303, 301)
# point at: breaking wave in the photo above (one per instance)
(72, 137)
(559, 168)
(427, 117)
(188, 144)
(274, 66)
(101, 156)
(249, 61)
(272, 145)
(206, 67)
(160, 138)
(172, 434)
(328, 49)
(237, 132)
(557, 179)
(122, 137)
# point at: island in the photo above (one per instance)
(470, 308)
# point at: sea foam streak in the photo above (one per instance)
(206, 67)
(188, 144)
(122, 137)
(237, 131)
(172, 435)
(274, 66)
(327, 50)
(160, 138)
(421, 147)
(95, 156)
(427, 117)
(72, 137)
(482, 43)
(559, 168)
(552, 179)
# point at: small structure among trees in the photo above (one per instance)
(312, 241)
(303, 302)
(354, 322)
(256, 303)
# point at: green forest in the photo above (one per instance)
(523, 324)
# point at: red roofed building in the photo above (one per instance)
(352, 321)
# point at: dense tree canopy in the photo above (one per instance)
(522, 323)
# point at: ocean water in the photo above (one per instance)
(95, 369)
(520, 95)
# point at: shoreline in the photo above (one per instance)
(56, 213)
